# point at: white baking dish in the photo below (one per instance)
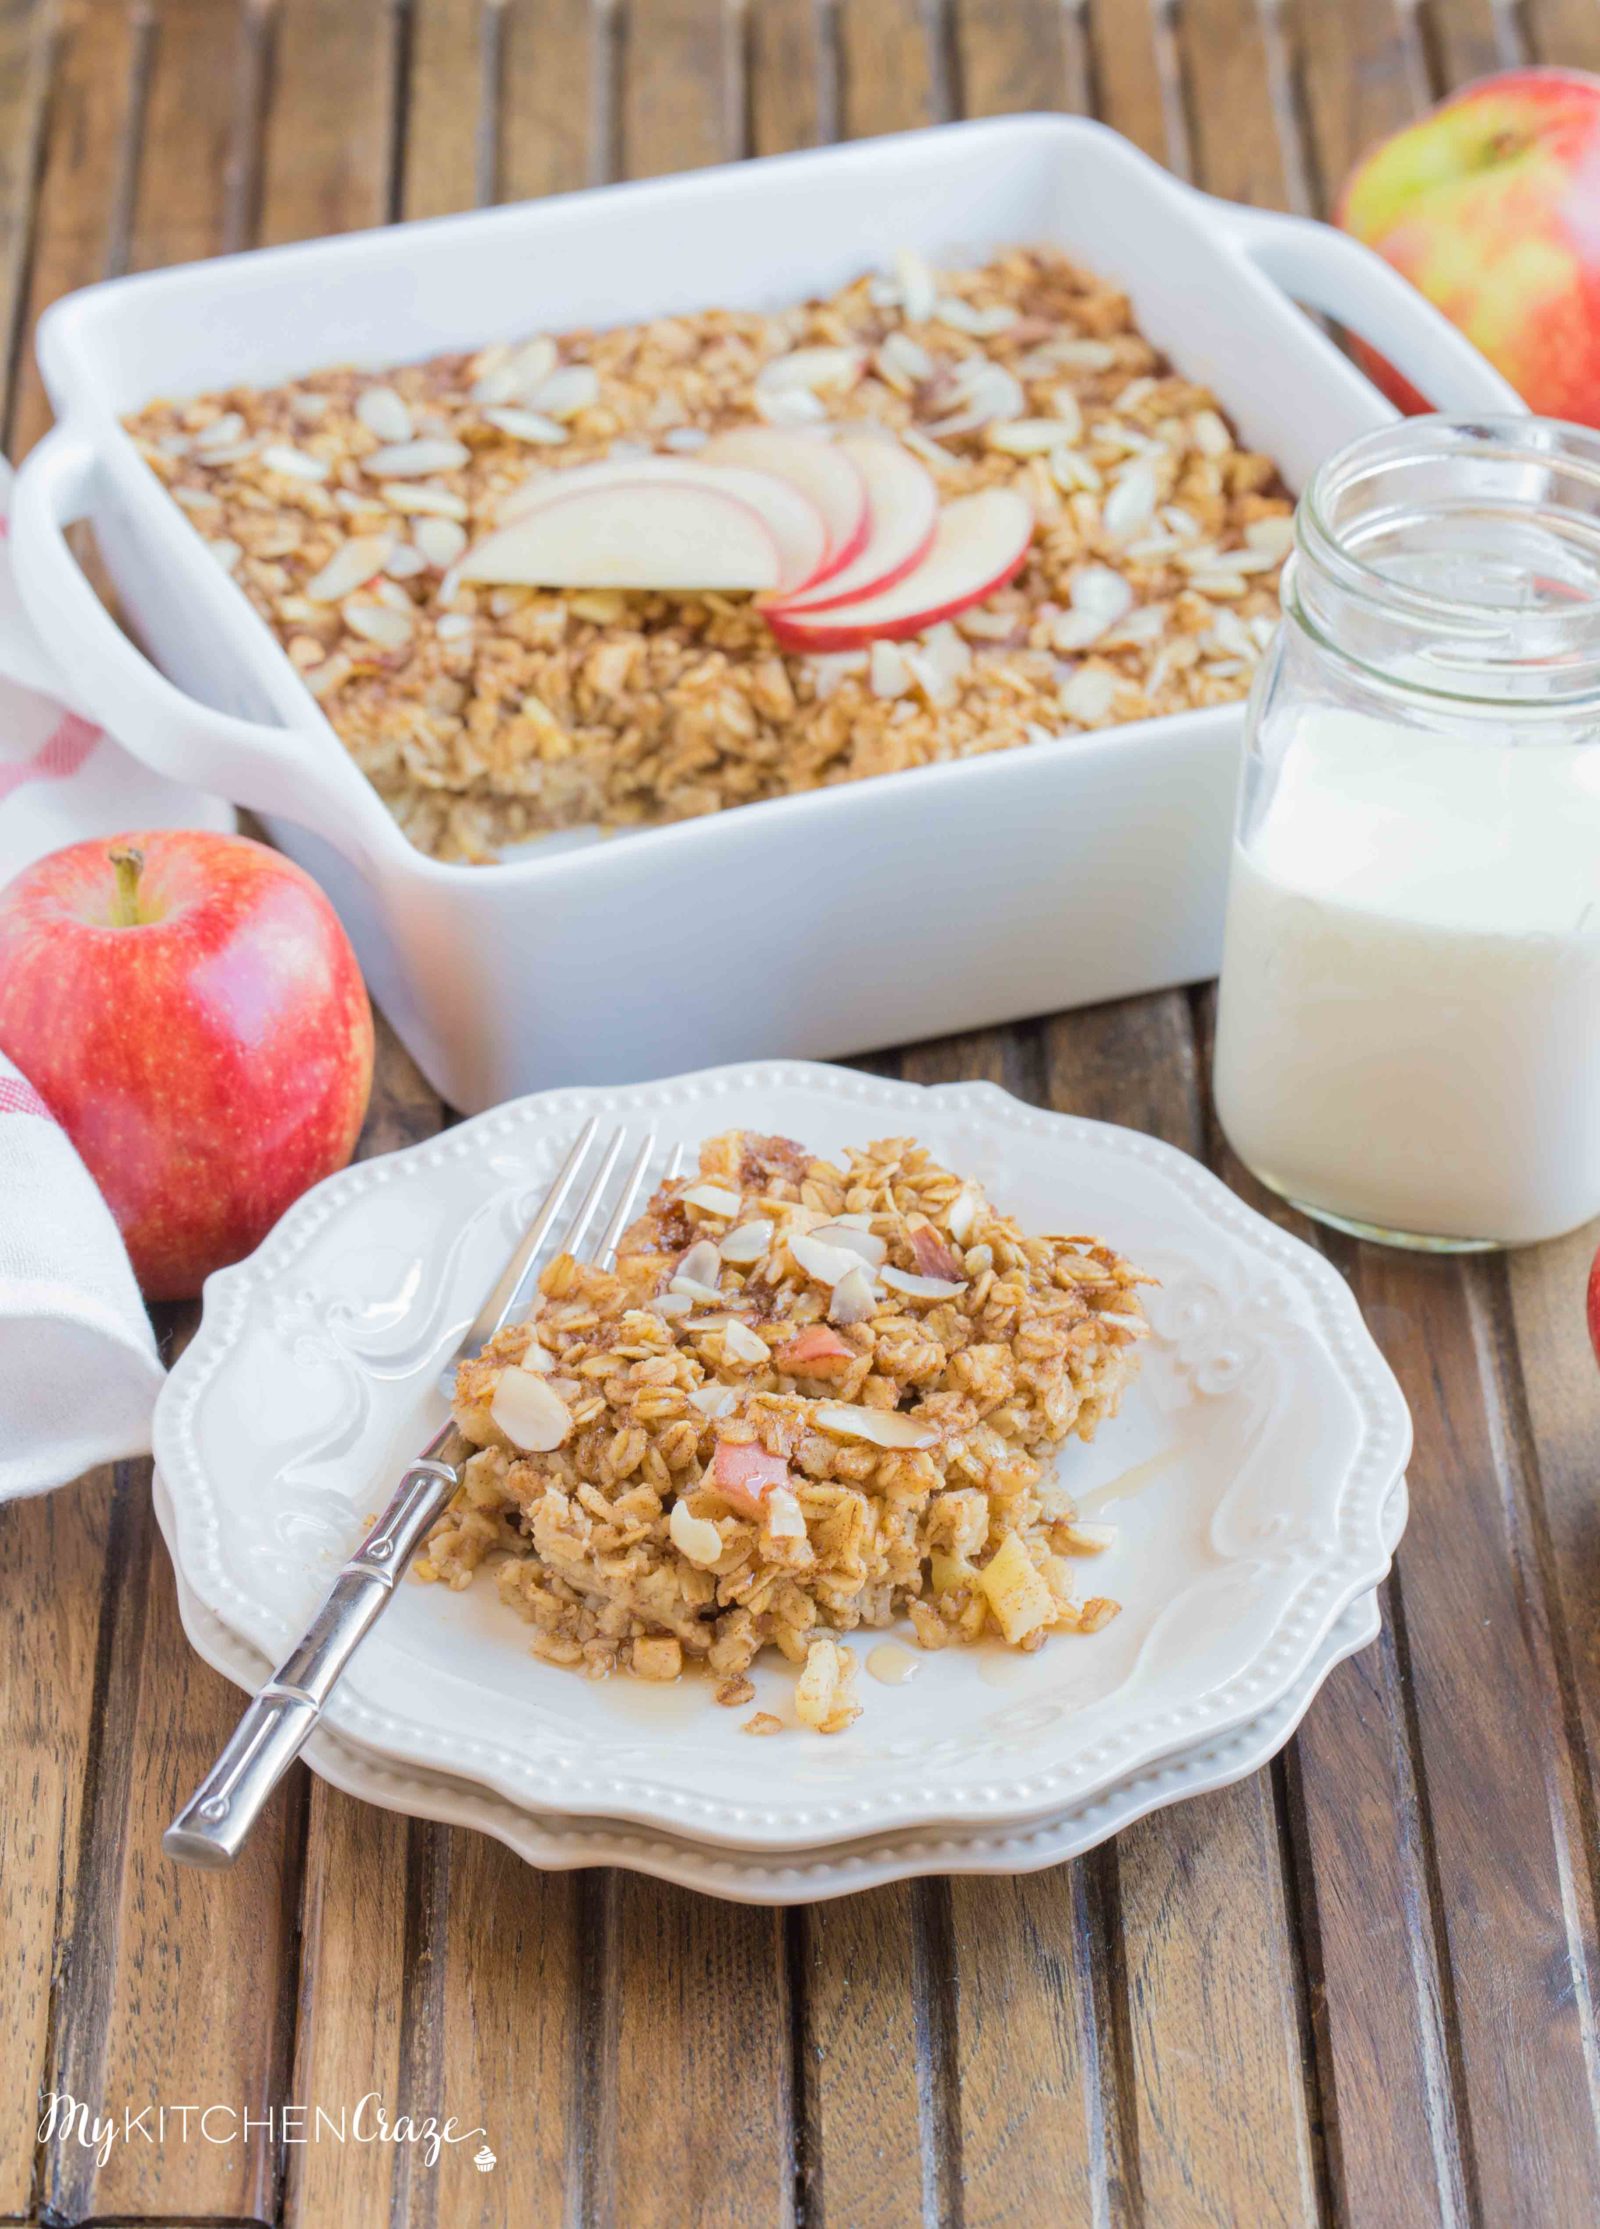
(877, 911)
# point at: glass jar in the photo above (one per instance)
(1408, 1034)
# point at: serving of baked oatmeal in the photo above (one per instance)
(344, 503)
(811, 1397)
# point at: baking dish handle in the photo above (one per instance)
(268, 769)
(1326, 268)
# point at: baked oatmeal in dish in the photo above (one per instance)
(345, 504)
(812, 1397)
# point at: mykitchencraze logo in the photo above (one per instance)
(68, 2120)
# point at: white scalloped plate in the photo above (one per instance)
(558, 1845)
(1247, 1474)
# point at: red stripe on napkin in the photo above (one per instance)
(57, 758)
(17, 1097)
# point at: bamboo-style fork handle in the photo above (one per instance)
(213, 1825)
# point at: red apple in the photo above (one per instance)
(191, 1011)
(1491, 207)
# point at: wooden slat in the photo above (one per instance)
(1564, 33)
(79, 230)
(27, 48)
(696, 2114)
(792, 76)
(448, 151)
(675, 94)
(887, 70)
(551, 106)
(164, 2004)
(1026, 54)
(330, 162)
(54, 1552)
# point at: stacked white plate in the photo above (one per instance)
(1254, 1477)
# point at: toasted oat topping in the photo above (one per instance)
(341, 502)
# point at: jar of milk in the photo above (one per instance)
(1408, 1038)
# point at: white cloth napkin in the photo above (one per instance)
(78, 1367)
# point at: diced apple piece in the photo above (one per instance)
(821, 469)
(790, 516)
(981, 542)
(814, 1352)
(904, 505)
(629, 535)
(1016, 1592)
(744, 1474)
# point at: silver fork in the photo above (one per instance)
(213, 1825)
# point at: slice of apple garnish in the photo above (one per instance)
(980, 543)
(904, 512)
(631, 535)
(797, 527)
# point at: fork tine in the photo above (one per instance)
(675, 1162)
(501, 1303)
(606, 1252)
(589, 1205)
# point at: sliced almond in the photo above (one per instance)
(673, 1304)
(747, 1242)
(741, 1344)
(530, 1414)
(854, 1298)
(382, 412)
(882, 1427)
(565, 392)
(866, 1244)
(414, 460)
(528, 425)
(376, 623)
(294, 464)
(537, 1359)
(827, 1264)
(695, 1538)
(714, 1400)
(691, 1288)
(716, 1199)
(350, 567)
(920, 1288)
(1025, 437)
(963, 1213)
(810, 370)
(441, 541)
(701, 1263)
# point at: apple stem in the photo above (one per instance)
(129, 864)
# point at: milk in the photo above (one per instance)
(1409, 1028)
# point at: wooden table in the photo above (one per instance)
(1357, 1988)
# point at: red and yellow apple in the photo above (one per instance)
(1490, 206)
(190, 1010)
